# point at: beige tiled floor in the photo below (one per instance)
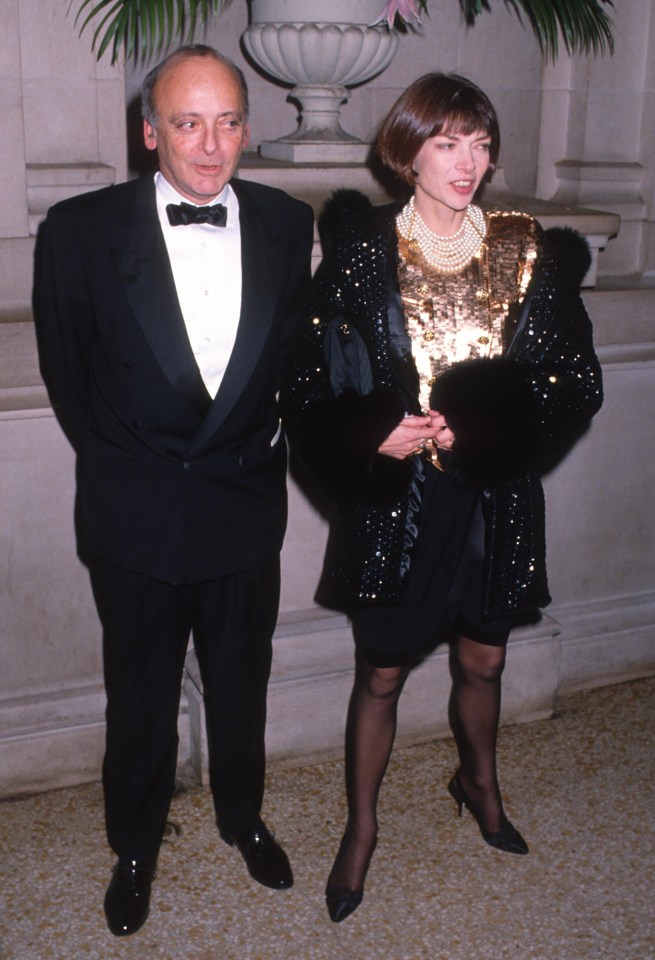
(579, 786)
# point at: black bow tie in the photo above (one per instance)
(182, 214)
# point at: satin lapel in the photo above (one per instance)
(145, 272)
(259, 257)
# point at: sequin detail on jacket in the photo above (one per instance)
(357, 288)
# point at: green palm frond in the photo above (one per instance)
(583, 24)
(142, 28)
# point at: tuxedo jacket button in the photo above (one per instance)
(243, 461)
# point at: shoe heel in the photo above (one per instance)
(454, 791)
(507, 838)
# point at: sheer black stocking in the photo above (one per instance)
(370, 733)
(474, 714)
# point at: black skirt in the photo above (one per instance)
(443, 591)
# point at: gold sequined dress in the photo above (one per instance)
(454, 317)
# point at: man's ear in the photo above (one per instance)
(149, 135)
(246, 135)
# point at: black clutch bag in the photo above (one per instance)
(347, 359)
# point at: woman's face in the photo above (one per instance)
(449, 168)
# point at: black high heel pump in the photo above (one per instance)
(342, 901)
(507, 838)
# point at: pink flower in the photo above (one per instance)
(404, 8)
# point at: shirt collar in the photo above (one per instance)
(166, 193)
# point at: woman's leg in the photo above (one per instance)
(474, 713)
(370, 732)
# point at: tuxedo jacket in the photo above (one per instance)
(172, 484)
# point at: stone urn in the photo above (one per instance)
(322, 48)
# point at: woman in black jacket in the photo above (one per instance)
(448, 363)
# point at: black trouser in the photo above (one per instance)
(146, 631)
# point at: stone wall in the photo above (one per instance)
(64, 121)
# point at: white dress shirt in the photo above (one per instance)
(206, 264)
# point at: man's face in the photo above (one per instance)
(200, 126)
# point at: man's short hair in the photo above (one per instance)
(187, 52)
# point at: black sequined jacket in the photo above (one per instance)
(377, 497)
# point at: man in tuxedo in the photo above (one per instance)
(165, 311)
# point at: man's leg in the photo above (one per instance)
(233, 624)
(146, 627)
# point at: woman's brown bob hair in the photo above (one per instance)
(433, 104)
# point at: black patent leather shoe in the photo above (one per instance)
(507, 839)
(267, 862)
(127, 900)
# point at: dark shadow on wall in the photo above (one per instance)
(140, 160)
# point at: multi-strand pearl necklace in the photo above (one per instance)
(446, 254)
